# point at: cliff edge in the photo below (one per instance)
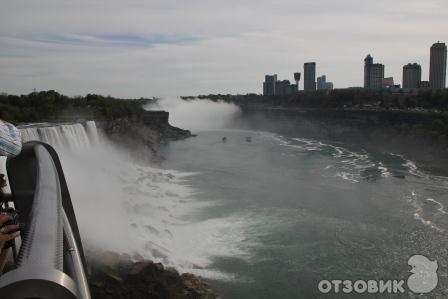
(146, 131)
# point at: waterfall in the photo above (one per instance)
(72, 136)
(92, 132)
(131, 207)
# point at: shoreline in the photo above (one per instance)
(399, 132)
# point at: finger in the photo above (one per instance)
(13, 235)
(9, 229)
(4, 218)
(7, 237)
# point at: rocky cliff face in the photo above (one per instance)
(145, 132)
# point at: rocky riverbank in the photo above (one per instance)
(114, 276)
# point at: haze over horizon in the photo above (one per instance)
(163, 48)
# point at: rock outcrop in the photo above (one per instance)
(116, 276)
(145, 132)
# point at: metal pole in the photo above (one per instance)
(79, 275)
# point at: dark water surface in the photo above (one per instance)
(308, 210)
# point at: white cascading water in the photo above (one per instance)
(133, 208)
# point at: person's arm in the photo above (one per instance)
(3, 258)
(7, 233)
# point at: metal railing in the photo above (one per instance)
(50, 262)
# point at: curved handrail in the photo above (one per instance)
(51, 261)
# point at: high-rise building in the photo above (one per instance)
(373, 74)
(274, 87)
(309, 81)
(322, 83)
(269, 85)
(437, 67)
(285, 88)
(412, 76)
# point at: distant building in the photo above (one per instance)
(285, 88)
(269, 85)
(309, 81)
(273, 87)
(297, 79)
(387, 82)
(373, 74)
(437, 68)
(322, 83)
(412, 76)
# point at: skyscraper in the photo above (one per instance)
(412, 75)
(437, 67)
(309, 81)
(373, 74)
(274, 87)
(322, 83)
(269, 85)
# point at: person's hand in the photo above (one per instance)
(8, 232)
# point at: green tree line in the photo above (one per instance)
(52, 106)
(342, 98)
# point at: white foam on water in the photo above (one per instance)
(349, 165)
(347, 176)
(418, 214)
(384, 171)
(137, 209)
(412, 168)
(441, 208)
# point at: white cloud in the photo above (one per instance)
(233, 44)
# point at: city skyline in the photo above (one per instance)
(375, 74)
(179, 48)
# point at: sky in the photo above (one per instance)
(145, 48)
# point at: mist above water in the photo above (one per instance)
(129, 207)
(198, 115)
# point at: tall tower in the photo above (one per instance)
(269, 85)
(309, 80)
(412, 75)
(437, 67)
(373, 74)
(368, 62)
(297, 79)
